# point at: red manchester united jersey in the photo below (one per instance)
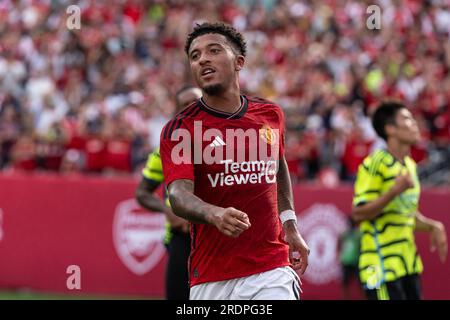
(232, 159)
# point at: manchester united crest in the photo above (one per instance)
(267, 134)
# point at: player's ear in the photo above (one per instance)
(389, 128)
(240, 61)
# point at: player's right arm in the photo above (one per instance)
(187, 205)
(366, 206)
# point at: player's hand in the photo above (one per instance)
(439, 241)
(298, 249)
(230, 221)
(402, 183)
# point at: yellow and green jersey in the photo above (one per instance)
(153, 173)
(388, 249)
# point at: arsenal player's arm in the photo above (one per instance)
(286, 202)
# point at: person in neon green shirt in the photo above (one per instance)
(385, 202)
(177, 238)
(349, 242)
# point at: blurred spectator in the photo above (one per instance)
(72, 162)
(355, 150)
(24, 153)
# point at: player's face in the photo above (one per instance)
(407, 130)
(214, 63)
(186, 97)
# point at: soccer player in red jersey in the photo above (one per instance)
(223, 162)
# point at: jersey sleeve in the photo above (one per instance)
(281, 128)
(176, 149)
(282, 132)
(152, 171)
(369, 181)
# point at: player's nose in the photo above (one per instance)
(203, 59)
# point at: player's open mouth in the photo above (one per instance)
(207, 71)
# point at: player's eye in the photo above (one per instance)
(194, 56)
(214, 50)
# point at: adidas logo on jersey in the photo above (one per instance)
(217, 142)
(252, 144)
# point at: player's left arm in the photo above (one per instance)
(437, 232)
(286, 204)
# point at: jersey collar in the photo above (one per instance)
(226, 115)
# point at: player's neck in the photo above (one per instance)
(398, 150)
(229, 101)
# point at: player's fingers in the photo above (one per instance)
(231, 231)
(296, 265)
(303, 265)
(442, 249)
(230, 224)
(433, 244)
(302, 269)
(228, 233)
(236, 223)
(294, 258)
(304, 260)
(242, 216)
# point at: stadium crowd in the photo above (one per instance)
(94, 99)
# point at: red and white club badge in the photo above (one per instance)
(138, 236)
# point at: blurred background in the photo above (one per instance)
(81, 109)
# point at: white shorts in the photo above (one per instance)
(278, 284)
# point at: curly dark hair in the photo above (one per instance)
(232, 35)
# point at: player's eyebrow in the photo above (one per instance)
(207, 46)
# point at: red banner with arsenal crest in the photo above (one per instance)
(87, 235)
(50, 223)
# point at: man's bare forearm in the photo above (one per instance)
(147, 199)
(187, 205)
(425, 224)
(285, 195)
(373, 208)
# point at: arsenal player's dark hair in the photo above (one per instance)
(385, 114)
(233, 36)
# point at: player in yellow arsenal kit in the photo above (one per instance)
(386, 198)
